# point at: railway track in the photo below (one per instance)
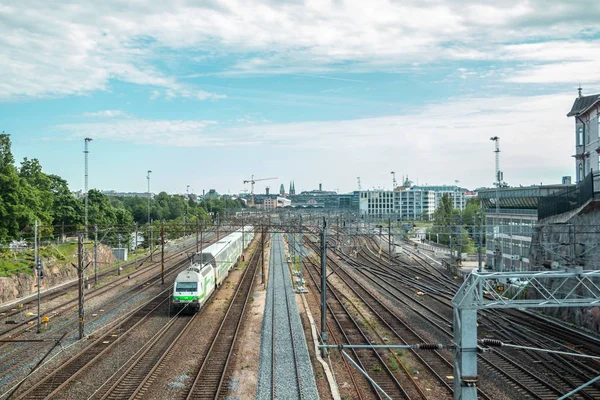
(349, 329)
(14, 330)
(560, 374)
(7, 312)
(119, 300)
(210, 378)
(51, 384)
(141, 370)
(286, 369)
(20, 355)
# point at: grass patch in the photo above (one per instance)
(393, 362)
(11, 267)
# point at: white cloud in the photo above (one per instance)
(176, 133)
(55, 49)
(437, 143)
(105, 113)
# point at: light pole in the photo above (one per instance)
(86, 152)
(149, 227)
(456, 190)
(187, 198)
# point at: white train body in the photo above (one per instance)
(194, 286)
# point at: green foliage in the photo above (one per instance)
(28, 194)
(448, 219)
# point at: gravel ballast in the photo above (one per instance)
(294, 377)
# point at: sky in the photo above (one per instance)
(209, 93)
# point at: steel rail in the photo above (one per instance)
(376, 363)
(208, 381)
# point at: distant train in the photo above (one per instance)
(209, 269)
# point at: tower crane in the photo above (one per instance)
(394, 180)
(252, 181)
(358, 179)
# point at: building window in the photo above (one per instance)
(587, 135)
(587, 166)
(580, 135)
(580, 172)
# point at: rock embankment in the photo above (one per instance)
(21, 285)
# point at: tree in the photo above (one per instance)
(472, 208)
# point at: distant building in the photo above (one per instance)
(282, 190)
(586, 109)
(456, 194)
(415, 204)
(509, 229)
(283, 202)
(269, 204)
(212, 195)
(114, 193)
(376, 203)
(409, 203)
(292, 188)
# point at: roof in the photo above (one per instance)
(582, 104)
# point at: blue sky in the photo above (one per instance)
(208, 93)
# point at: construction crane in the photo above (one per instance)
(394, 180)
(358, 179)
(252, 181)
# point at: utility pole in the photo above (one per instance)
(451, 249)
(197, 233)
(390, 238)
(479, 226)
(324, 287)
(187, 198)
(36, 264)
(162, 254)
(243, 238)
(119, 258)
(338, 230)
(301, 247)
(86, 152)
(262, 252)
(136, 238)
(149, 224)
(80, 271)
(96, 254)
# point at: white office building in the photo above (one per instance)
(376, 203)
(414, 204)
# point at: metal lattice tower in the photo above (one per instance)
(499, 176)
(498, 183)
(86, 152)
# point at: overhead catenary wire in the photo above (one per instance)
(499, 343)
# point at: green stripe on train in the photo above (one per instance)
(186, 298)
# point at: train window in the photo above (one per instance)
(187, 286)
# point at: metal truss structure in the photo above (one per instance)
(484, 290)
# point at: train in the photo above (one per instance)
(208, 270)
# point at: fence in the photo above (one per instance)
(567, 199)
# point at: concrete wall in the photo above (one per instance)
(574, 242)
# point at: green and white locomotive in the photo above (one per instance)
(208, 270)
